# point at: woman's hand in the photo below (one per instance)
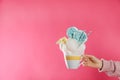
(91, 61)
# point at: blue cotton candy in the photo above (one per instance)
(71, 31)
(83, 37)
(76, 34)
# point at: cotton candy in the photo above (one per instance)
(76, 34)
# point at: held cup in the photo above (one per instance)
(72, 61)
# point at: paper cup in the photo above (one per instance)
(72, 62)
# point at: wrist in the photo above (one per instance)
(100, 64)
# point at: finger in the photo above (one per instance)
(85, 64)
(85, 56)
(82, 56)
(90, 56)
(84, 59)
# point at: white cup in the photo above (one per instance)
(72, 61)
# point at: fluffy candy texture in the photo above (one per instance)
(64, 49)
(76, 34)
(71, 31)
(72, 44)
(75, 47)
(72, 47)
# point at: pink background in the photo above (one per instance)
(29, 30)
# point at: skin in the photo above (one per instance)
(91, 61)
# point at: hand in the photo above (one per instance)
(91, 61)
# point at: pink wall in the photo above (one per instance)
(29, 30)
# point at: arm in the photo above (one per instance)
(111, 68)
